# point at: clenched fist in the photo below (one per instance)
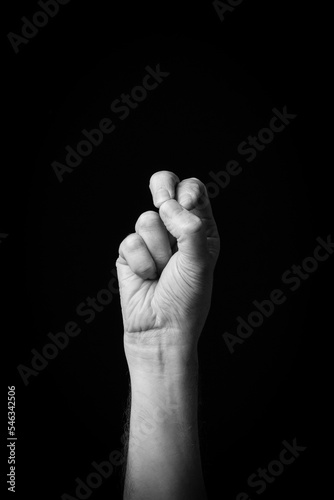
(165, 271)
(165, 268)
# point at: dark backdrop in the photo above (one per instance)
(63, 237)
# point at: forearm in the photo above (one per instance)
(163, 451)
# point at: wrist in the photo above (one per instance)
(163, 380)
(165, 400)
(160, 357)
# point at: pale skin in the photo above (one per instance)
(165, 272)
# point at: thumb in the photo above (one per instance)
(189, 231)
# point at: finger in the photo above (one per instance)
(162, 186)
(188, 229)
(192, 195)
(137, 256)
(154, 233)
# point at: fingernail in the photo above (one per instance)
(161, 196)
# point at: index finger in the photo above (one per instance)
(163, 186)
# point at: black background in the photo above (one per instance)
(225, 78)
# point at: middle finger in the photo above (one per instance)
(153, 231)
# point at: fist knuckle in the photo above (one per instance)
(147, 220)
(153, 176)
(132, 242)
(161, 173)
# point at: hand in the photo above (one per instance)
(165, 270)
